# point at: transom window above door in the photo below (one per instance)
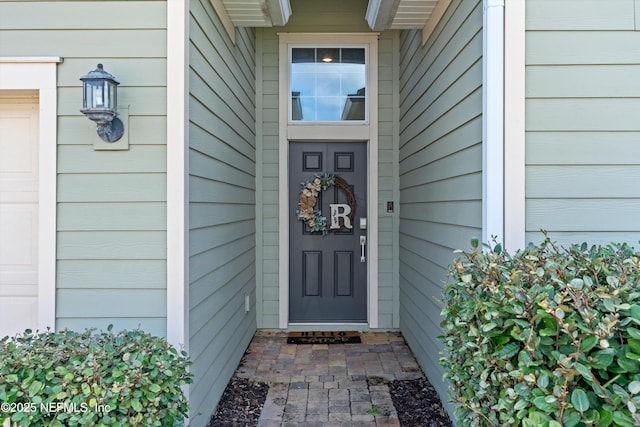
(328, 84)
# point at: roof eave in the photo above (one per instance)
(380, 13)
(279, 11)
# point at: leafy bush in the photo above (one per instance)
(92, 379)
(547, 337)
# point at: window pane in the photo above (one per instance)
(328, 84)
(329, 108)
(305, 83)
(328, 80)
(353, 56)
(352, 82)
(299, 55)
(328, 55)
(354, 107)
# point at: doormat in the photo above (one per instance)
(323, 337)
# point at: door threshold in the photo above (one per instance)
(327, 327)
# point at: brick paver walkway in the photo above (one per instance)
(324, 385)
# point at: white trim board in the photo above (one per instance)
(177, 180)
(503, 117)
(493, 121)
(514, 125)
(434, 19)
(40, 73)
(363, 132)
(177, 169)
(227, 23)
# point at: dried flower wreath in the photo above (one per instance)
(309, 192)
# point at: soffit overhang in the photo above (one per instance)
(381, 14)
(258, 13)
(399, 14)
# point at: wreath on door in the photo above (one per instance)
(309, 192)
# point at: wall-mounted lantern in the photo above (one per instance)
(100, 102)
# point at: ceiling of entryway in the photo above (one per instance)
(381, 14)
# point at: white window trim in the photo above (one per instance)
(40, 73)
(367, 132)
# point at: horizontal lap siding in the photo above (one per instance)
(268, 210)
(582, 131)
(222, 196)
(111, 248)
(388, 190)
(440, 169)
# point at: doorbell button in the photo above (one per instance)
(363, 223)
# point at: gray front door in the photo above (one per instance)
(328, 270)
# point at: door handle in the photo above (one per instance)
(363, 244)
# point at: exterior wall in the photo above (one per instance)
(440, 168)
(582, 130)
(388, 184)
(325, 16)
(111, 232)
(221, 204)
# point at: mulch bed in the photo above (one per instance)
(418, 404)
(240, 404)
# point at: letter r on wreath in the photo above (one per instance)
(336, 213)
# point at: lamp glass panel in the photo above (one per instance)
(94, 94)
(88, 94)
(113, 92)
(100, 94)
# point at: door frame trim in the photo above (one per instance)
(40, 73)
(339, 133)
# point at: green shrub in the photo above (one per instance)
(92, 379)
(546, 337)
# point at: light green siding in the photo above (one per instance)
(388, 187)
(267, 209)
(267, 184)
(111, 240)
(326, 16)
(440, 168)
(221, 204)
(582, 129)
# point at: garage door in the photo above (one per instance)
(18, 217)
